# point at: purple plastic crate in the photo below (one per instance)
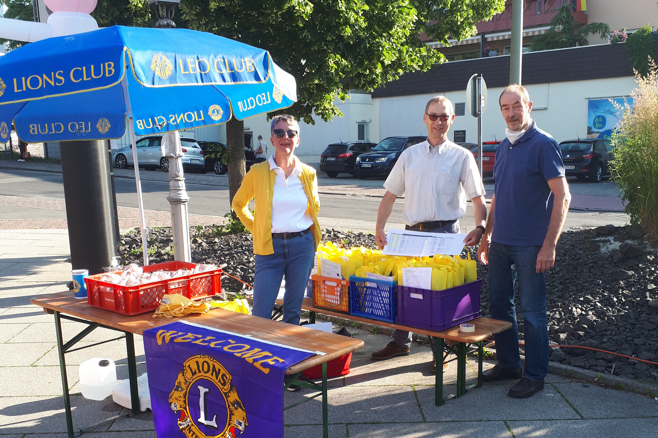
(438, 310)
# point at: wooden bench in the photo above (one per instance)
(485, 328)
(65, 306)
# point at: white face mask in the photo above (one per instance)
(514, 136)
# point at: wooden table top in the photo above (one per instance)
(260, 328)
(485, 328)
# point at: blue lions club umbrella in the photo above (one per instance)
(95, 85)
(84, 86)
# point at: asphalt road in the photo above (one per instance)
(347, 203)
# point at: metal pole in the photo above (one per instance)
(178, 198)
(479, 110)
(517, 42)
(180, 225)
(138, 183)
(89, 204)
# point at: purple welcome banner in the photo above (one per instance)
(210, 383)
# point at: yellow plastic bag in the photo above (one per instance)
(237, 305)
(177, 305)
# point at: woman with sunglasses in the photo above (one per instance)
(284, 224)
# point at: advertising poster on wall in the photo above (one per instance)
(603, 117)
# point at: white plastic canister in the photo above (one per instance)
(97, 377)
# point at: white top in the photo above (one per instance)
(263, 144)
(289, 202)
(436, 182)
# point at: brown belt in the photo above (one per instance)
(424, 226)
(290, 235)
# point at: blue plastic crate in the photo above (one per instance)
(374, 299)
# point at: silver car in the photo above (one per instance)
(149, 155)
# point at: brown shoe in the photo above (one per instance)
(391, 350)
(445, 367)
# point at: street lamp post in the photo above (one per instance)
(178, 197)
(164, 10)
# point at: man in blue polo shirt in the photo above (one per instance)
(530, 204)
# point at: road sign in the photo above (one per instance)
(472, 94)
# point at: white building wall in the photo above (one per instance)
(629, 14)
(559, 108)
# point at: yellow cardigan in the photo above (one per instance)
(258, 184)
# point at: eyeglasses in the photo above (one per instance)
(444, 117)
(280, 133)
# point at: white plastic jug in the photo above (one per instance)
(97, 377)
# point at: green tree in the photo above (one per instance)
(123, 12)
(635, 167)
(334, 46)
(564, 32)
(642, 46)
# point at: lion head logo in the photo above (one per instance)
(207, 368)
(215, 112)
(2, 87)
(103, 125)
(277, 94)
(161, 66)
(4, 131)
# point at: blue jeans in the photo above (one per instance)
(404, 338)
(292, 258)
(508, 264)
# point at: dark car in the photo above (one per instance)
(489, 149)
(340, 157)
(213, 152)
(382, 158)
(588, 158)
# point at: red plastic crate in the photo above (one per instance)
(133, 300)
(438, 310)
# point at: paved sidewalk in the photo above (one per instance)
(377, 399)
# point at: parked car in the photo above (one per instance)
(489, 149)
(340, 157)
(382, 158)
(213, 151)
(466, 145)
(149, 155)
(587, 158)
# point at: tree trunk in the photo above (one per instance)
(235, 145)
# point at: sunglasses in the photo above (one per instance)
(280, 133)
(444, 118)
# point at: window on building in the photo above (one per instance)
(508, 49)
(363, 134)
(462, 56)
(460, 108)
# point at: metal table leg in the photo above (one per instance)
(461, 369)
(65, 382)
(325, 410)
(480, 358)
(438, 358)
(132, 373)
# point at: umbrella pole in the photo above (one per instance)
(138, 184)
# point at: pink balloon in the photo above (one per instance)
(84, 6)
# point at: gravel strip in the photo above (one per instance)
(602, 292)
